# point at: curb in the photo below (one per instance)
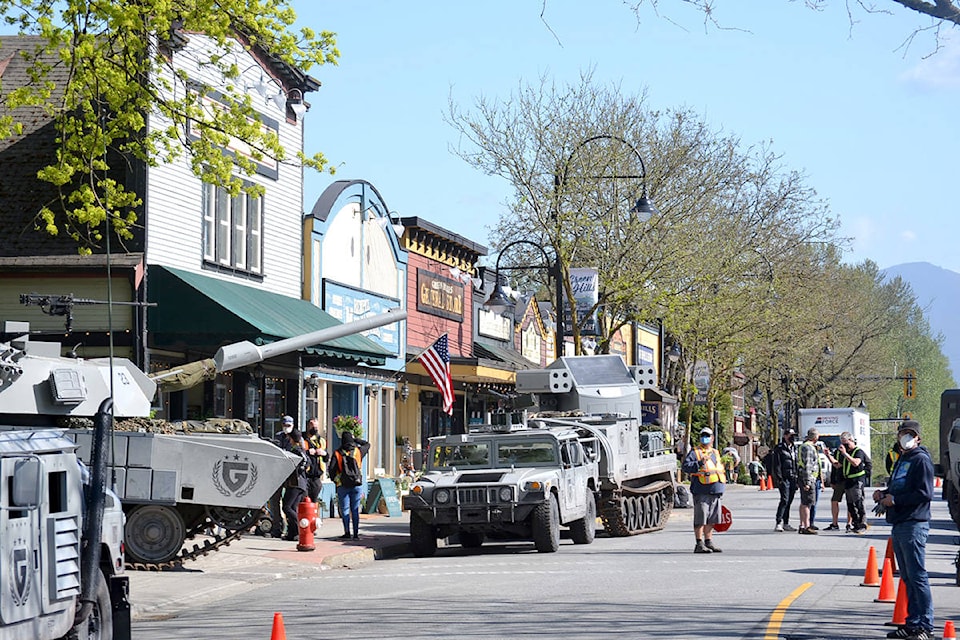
(360, 557)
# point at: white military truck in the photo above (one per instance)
(507, 482)
(44, 525)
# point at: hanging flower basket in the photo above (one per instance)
(353, 424)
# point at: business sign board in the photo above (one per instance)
(585, 283)
(439, 296)
(347, 304)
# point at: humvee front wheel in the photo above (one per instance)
(546, 526)
(99, 623)
(583, 531)
(423, 540)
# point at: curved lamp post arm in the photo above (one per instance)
(498, 302)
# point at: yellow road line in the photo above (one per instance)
(776, 618)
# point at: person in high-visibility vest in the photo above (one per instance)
(851, 462)
(808, 480)
(707, 482)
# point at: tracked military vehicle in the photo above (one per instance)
(175, 481)
(588, 434)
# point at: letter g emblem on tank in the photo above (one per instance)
(234, 477)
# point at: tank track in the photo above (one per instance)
(220, 538)
(635, 510)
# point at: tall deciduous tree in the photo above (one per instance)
(114, 56)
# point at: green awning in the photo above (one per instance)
(204, 312)
(493, 352)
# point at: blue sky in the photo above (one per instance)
(872, 127)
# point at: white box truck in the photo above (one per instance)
(830, 423)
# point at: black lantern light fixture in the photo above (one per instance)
(757, 395)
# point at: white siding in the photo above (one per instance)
(173, 194)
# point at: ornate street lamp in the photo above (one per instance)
(499, 301)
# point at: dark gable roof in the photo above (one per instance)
(22, 194)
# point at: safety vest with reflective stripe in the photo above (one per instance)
(712, 470)
(848, 469)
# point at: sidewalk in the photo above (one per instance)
(253, 561)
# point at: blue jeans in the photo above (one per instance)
(348, 501)
(910, 547)
(816, 498)
(788, 487)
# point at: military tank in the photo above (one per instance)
(175, 480)
(600, 396)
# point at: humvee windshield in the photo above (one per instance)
(529, 453)
(461, 455)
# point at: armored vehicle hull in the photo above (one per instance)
(174, 487)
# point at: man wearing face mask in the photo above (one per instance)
(907, 503)
(707, 480)
(785, 475)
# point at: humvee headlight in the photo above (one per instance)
(442, 496)
(506, 494)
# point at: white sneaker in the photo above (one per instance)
(779, 527)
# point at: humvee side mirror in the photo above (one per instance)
(26, 483)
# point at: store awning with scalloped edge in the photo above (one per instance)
(202, 312)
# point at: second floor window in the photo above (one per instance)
(232, 229)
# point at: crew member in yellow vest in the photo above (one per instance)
(707, 482)
(851, 463)
(345, 469)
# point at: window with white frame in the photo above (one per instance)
(232, 229)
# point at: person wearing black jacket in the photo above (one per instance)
(784, 471)
(907, 503)
(295, 488)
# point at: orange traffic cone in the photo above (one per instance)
(949, 633)
(899, 609)
(763, 484)
(886, 585)
(937, 482)
(870, 576)
(278, 632)
(769, 483)
(892, 556)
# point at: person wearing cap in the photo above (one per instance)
(808, 480)
(295, 488)
(707, 480)
(784, 472)
(907, 503)
(852, 458)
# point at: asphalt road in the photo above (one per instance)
(649, 586)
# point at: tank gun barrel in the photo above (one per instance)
(241, 354)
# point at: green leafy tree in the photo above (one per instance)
(104, 74)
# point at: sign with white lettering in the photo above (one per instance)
(439, 296)
(586, 290)
(347, 304)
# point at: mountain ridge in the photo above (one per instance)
(938, 294)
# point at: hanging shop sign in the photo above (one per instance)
(585, 283)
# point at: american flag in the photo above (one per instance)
(436, 360)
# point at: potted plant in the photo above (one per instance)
(353, 424)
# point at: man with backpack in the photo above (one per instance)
(344, 470)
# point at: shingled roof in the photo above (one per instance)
(22, 194)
